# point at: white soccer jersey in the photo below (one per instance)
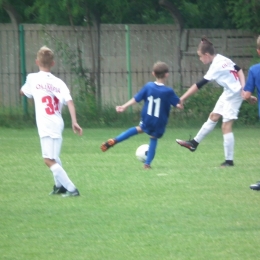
(222, 71)
(49, 94)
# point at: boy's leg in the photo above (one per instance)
(151, 151)
(121, 137)
(230, 114)
(228, 143)
(206, 128)
(62, 177)
(50, 152)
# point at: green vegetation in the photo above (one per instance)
(185, 207)
(228, 14)
(196, 111)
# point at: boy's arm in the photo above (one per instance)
(122, 108)
(247, 95)
(192, 90)
(76, 128)
(241, 77)
(248, 89)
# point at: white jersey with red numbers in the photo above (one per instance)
(49, 94)
(223, 72)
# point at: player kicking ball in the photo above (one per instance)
(158, 99)
(50, 94)
(231, 77)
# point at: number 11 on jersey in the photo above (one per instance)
(157, 103)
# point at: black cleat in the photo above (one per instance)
(255, 186)
(227, 163)
(191, 144)
(58, 190)
(71, 193)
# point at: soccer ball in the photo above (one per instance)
(141, 152)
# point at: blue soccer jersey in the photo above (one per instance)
(253, 80)
(158, 99)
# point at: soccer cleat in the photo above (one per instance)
(109, 143)
(147, 166)
(191, 145)
(227, 163)
(71, 193)
(255, 186)
(58, 190)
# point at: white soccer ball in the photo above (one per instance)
(141, 152)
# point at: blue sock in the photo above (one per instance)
(151, 151)
(128, 133)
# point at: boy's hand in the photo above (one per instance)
(180, 106)
(252, 100)
(120, 109)
(77, 129)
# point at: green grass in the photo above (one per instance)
(185, 207)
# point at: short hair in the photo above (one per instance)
(205, 46)
(160, 69)
(45, 56)
(258, 43)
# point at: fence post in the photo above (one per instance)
(128, 64)
(23, 64)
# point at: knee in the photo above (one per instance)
(49, 162)
(214, 117)
(139, 130)
(226, 128)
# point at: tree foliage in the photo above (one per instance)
(244, 14)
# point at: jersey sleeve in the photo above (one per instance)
(212, 73)
(26, 88)
(175, 100)
(250, 83)
(64, 94)
(139, 96)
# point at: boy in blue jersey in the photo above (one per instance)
(253, 81)
(158, 100)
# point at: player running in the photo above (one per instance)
(158, 100)
(231, 77)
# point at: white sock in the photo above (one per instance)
(58, 160)
(57, 183)
(229, 143)
(206, 128)
(61, 177)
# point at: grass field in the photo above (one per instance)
(185, 207)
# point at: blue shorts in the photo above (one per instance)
(151, 131)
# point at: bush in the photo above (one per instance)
(196, 111)
(198, 107)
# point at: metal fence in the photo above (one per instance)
(125, 55)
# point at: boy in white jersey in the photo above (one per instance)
(50, 94)
(228, 75)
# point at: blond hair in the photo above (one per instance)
(45, 56)
(258, 43)
(160, 69)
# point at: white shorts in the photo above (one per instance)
(228, 108)
(51, 147)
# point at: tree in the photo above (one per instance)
(245, 14)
